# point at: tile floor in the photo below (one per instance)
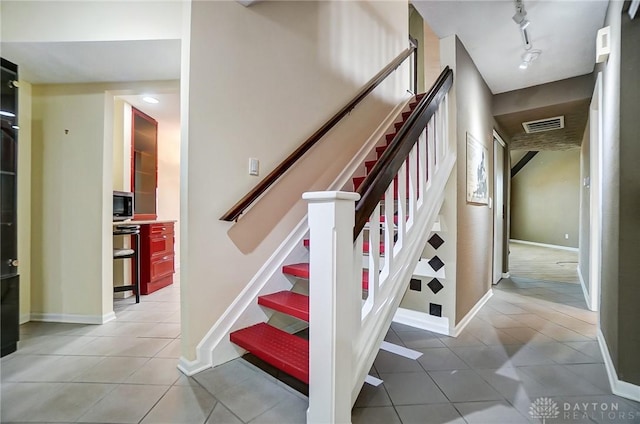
(533, 339)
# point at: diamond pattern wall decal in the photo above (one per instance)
(435, 309)
(436, 241)
(415, 284)
(435, 285)
(436, 263)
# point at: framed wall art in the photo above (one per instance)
(477, 172)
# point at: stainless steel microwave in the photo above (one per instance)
(122, 205)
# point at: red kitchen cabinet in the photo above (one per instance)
(156, 256)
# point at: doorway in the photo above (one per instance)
(499, 208)
(592, 292)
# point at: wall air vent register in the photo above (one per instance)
(541, 125)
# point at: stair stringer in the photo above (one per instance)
(215, 348)
(365, 347)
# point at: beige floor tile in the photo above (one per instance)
(161, 371)
(111, 370)
(18, 399)
(125, 346)
(164, 330)
(62, 369)
(125, 404)
(69, 403)
(172, 350)
(182, 404)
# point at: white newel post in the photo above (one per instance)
(334, 305)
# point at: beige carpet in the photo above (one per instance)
(543, 263)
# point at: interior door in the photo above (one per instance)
(498, 209)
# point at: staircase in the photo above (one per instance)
(285, 351)
(363, 248)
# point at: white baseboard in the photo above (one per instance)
(422, 320)
(585, 292)
(24, 318)
(190, 368)
(506, 275)
(472, 313)
(551, 246)
(73, 318)
(620, 388)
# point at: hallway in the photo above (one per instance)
(532, 339)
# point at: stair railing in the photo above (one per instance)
(397, 203)
(236, 210)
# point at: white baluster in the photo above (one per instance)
(413, 179)
(374, 253)
(431, 141)
(401, 187)
(422, 164)
(335, 304)
(388, 232)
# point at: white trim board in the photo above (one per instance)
(472, 313)
(551, 246)
(587, 297)
(73, 318)
(620, 388)
(405, 352)
(24, 318)
(422, 320)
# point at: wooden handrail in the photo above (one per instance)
(386, 168)
(237, 209)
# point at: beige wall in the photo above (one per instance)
(416, 30)
(169, 178)
(24, 198)
(628, 365)
(267, 96)
(68, 204)
(474, 222)
(553, 93)
(431, 47)
(611, 179)
(545, 199)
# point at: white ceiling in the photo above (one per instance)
(105, 61)
(564, 30)
(95, 61)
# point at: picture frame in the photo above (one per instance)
(477, 172)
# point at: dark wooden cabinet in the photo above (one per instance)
(156, 256)
(9, 278)
(144, 164)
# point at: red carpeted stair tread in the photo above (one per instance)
(369, 165)
(302, 271)
(284, 351)
(287, 302)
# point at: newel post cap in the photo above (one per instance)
(324, 196)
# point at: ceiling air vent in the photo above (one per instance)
(542, 125)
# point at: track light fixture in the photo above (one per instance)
(520, 18)
(521, 13)
(528, 57)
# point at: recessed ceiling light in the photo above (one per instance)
(151, 100)
(9, 114)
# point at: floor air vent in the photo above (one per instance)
(541, 125)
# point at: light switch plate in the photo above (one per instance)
(254, 166)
